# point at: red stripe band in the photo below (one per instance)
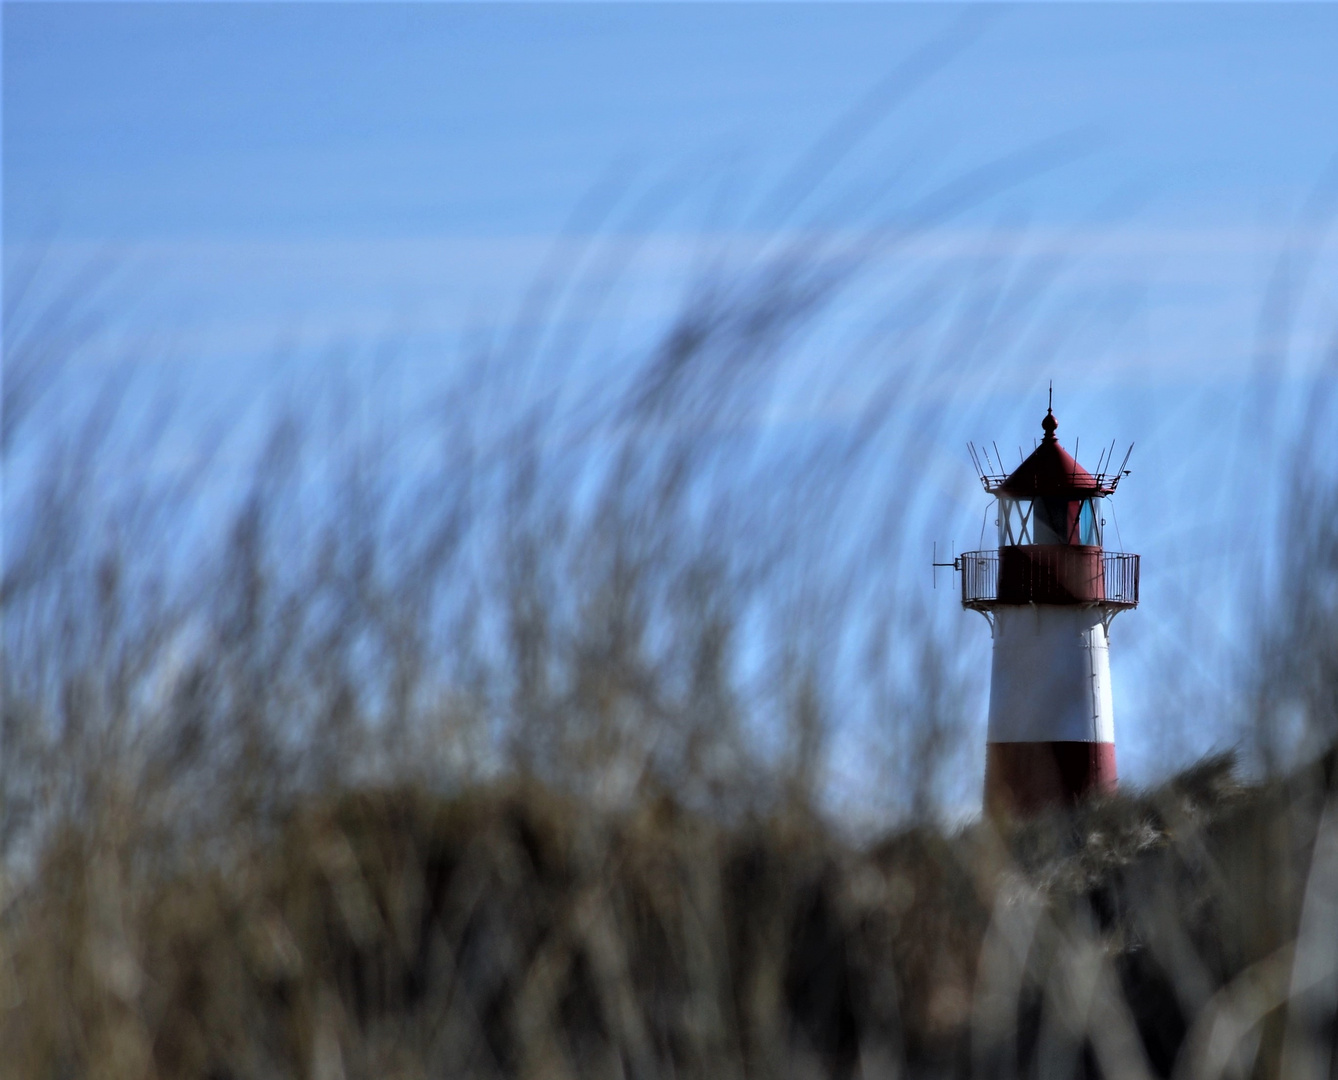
(1022, 778)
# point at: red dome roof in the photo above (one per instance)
(1051, 471)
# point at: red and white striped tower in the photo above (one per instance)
(1049, 592)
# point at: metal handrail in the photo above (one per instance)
(1120, 569)
(980, 578)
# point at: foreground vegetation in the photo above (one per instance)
(512, 931)
(500, 743)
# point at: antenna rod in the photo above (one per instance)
(1126, 459)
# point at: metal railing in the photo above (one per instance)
(1121, 573)
(980, 579)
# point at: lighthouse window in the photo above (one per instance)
(1048, 521)
(1089, 524)
(1014, 522)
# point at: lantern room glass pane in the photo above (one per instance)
(1048, 521)
(1089, 524)
(1014, 522)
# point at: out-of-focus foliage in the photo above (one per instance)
(506, 930)
(511, 756)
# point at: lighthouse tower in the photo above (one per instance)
(1049, 591)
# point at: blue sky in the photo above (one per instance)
(314, 172)
(131, 122)
(235, 148)
(346, 166)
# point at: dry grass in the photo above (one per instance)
(512, 931)
(514, 763)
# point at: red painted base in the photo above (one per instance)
(1025, 778)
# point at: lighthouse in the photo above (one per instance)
(1049, 591)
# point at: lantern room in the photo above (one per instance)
(1050, 498)
(1050, 527)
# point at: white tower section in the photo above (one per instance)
(1050, 677)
